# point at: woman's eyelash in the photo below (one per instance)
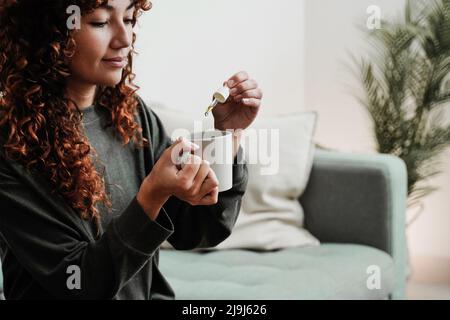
(99, 24)
(102, 24)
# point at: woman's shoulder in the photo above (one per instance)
(147, 107)
(146, 104)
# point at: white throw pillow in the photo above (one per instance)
(271, 216)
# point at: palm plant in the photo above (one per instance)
(407, 90)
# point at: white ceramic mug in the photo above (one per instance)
(216, 147)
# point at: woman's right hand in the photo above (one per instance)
(195, 183)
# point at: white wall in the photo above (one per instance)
(297, 51)
(189, 48)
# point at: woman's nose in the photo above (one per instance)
(122, 37)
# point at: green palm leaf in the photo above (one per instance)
(406, 87)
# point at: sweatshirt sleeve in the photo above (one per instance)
(201, 226)
(45, 238)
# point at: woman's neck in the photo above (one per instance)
(81, 93)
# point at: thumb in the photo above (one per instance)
(180, 147)
(184, 144)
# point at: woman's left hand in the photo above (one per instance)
(241, 107)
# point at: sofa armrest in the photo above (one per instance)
(354, 198)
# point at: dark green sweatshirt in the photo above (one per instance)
(45, 245)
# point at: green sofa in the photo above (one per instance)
(354, 204)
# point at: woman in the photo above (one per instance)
(88, 189)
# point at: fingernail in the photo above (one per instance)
(230, 83)
(233, 91)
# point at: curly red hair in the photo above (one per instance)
(41, 128)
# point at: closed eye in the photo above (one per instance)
(99, 24)
(102, 24)
(130, 21)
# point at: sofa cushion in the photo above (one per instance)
(331, 271)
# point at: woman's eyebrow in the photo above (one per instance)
(111, 8)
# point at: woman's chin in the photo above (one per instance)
(110, 81)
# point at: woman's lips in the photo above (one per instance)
(115, 63)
